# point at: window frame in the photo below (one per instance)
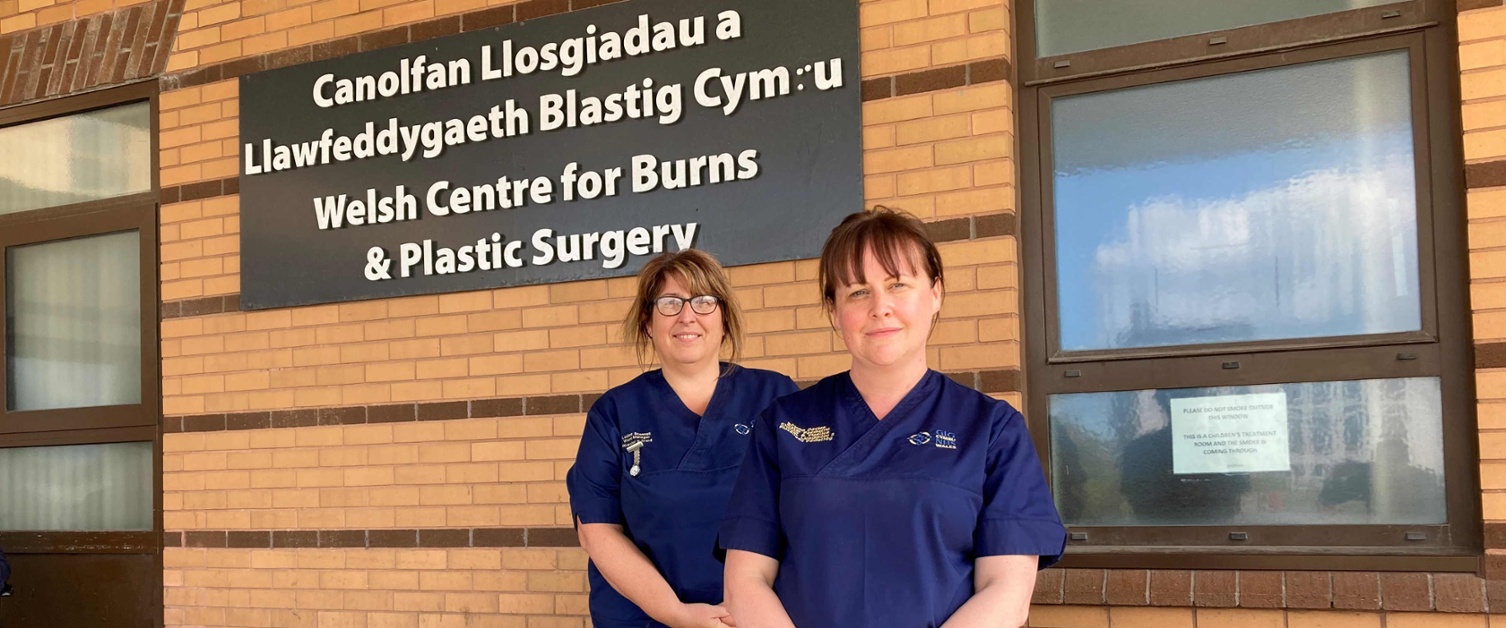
(1427, 333)
(139, 422)
(1441, 348)
(1402, 16)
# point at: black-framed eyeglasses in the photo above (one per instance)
(671, 306)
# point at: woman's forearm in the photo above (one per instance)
(750, 591)
(991, 609)
(754, 605)
(1003, 586)
(629, 571)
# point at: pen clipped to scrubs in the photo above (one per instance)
(888, 495)
(660, 453)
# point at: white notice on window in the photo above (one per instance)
(1230, 434)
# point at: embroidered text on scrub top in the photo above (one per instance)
(634, 442)
(819, 434)
(946, 440)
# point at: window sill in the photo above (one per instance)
(1293, 558)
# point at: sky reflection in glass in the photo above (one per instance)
(1273, 204)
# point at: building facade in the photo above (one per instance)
(1143, 206)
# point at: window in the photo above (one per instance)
(77, 487)
(1245, 321)
(79, 428)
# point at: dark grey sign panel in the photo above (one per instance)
(571, 147)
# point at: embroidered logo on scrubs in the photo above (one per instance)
(920, 439)
(634, 442)
(807, 434)
(741, 429)
(946, 440)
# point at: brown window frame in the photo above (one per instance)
(1441, 348)
(1405, 16)
(139, 422)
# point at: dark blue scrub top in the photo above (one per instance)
(672, 507)
(877, 523)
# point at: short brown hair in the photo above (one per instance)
(891, 234)
(702, 275)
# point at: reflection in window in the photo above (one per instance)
(73, 309)
(82, 157)
(77, 487)
(1065, 26)
(1361, 452)
(1272, 204)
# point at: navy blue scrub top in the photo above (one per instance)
(686, 467)
(877, 523)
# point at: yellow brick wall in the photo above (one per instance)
(467, 473)
(1482, 64)
(376, 588)
(198, 138)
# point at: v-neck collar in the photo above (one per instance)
(718, 393)
(854, 397)
(863, 418)
(707, 422)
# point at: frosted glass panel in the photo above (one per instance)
(1358, 452)
(82, 157)
(1064, 26)
(77, 487)
(1264, 205)
(74, 313)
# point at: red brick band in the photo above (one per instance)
(1490, 355)
(1485, 175)
(201, 306)
(1000, 381)
(101, 50)
(972, 227)
(1470, 5)
(960, 75)
(386, 413)
(1316, 590)
(201, 190)
(424, 538)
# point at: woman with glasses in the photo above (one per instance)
(660, 453)
(888, 495)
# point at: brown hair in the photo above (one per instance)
(892, 235)
(702, 275)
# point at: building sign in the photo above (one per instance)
(570, 147)
(1230, 434)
